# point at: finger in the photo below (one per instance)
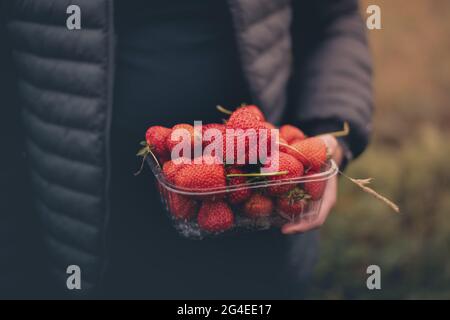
(329, 200)
(330, 142)
(300, 227)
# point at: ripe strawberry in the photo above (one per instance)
(156, 137)
(255, 110)
(219, 126)
(312, 152)
(201, 176)
(291, 133)
(292, 166)
(207, 140)
(244, 119)
(171, 143)
(295, 141)
(315, 188)
(215, 216)
(243, 193)
(181, 207)
(258, 206)
(170, 170)
(293, 203)
(268, 125)
(248, 151)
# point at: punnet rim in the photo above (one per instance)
(322, 176)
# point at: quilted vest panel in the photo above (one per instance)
(65, 85)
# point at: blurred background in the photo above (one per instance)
(409, 161)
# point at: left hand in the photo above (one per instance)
(329, 196)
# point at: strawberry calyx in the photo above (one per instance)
(295, 195)
(144, 152)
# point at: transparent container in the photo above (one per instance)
(182, 205)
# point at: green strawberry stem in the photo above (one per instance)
(144, 152)
(267, 174)
(224, 110)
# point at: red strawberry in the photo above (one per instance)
(312, 152)
(207, 140)
(181, 207)
(294, 169)
(315, 188)
(215, 216)
(156, 138)
(238, 196)
(201, 176)
(255, 110)
(258, 206)
(268, 125)
(171, 143)
(296, 141)
(292, 203)
(291, 133)
(170, 170)
(248, 148)
(244, 119)
(219, 126)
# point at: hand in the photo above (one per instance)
(329, 196)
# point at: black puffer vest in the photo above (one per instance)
(66, 81)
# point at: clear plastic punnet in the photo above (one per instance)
(301, 202)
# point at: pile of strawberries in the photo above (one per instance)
(233, 196)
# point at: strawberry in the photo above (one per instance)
(258, 206)
(255, 110)
(156, 137)
(201, 176)
(291, 133)
(295, 141)
(181, 207)
(215, 216)
(268, 125)
(207, 140)
(171, 143)
(292, 203)
(315, 189)
(232, 140)
(294, 169)
(244, 119)
(312, 152)
(219, 126)
(242, 194)
(170, 170)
